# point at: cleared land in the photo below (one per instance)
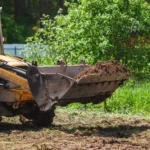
(74, 129)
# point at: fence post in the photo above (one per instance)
(15, 51)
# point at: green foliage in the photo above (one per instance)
(19, 17)
(11, 29)
(97, 30)
(132, 98)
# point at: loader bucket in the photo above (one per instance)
(62, 85)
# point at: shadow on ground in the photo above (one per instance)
(9, 127)
(120, 131)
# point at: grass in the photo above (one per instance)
(131, 98)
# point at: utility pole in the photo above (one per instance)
(1, 35)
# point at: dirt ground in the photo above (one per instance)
(78, 130)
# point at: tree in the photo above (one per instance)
(98, 30)
(20, 17)
(19, 10)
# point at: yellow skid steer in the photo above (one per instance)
(33, 91)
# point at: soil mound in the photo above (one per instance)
(107, 67)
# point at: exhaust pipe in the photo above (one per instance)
(1, 36)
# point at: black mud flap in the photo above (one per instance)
(38, 89)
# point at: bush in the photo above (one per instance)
(96, 30)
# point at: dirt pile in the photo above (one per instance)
(107, 67)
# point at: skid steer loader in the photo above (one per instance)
(33, 91)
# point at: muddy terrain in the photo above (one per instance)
(78, 130)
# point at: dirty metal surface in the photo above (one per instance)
(89, 90)
(47, 88)
(57, 84)
(38, 89)
(92, 84)
(71, 70)
(96, 83)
